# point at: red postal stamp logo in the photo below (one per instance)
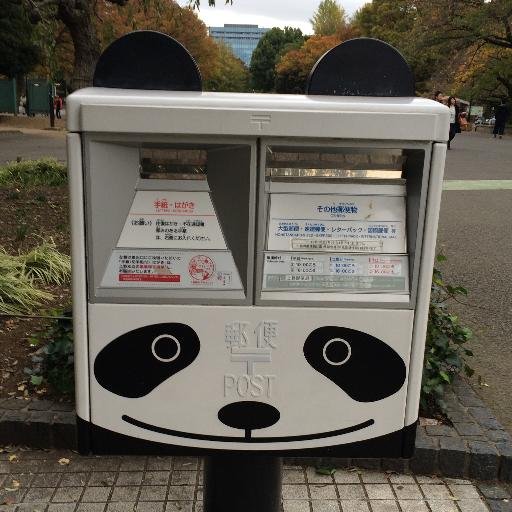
(201, 268)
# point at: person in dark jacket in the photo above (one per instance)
(454, 119)
(501, 116)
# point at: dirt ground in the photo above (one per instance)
(27, 217)
(36, 122)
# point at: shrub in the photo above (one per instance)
(46, 171)
(21, 275)
(53, 364)
(46, 264)
(445, 352)
(18, 295)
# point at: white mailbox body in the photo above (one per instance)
(251, 272)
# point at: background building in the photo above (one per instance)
(242, 39)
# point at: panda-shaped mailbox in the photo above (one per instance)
(252, 271)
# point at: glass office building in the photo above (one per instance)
(242, 39)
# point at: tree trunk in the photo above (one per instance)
(78, 16)
(51, 111)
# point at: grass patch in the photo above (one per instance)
(46, 171)
(21, 277)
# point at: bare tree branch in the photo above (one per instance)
(498, 41)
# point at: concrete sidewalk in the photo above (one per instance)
(57, 481)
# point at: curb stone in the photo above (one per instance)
(477, 446)
(37, 423)
(10, 131)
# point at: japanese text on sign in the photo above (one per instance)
(308, 222)
(171, 269)
(170, 219)
(285, 271)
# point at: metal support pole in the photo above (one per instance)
(242, 483)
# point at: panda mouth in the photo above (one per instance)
(247, 437)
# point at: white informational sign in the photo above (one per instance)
(476, 111)
(171, 219)
(339, 223)
(313, 272)
(129, 268)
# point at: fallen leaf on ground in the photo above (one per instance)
(429, 421)
(325, 471)
(13, 458)
(64, 461)
(14, 486)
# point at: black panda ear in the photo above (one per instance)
(361, 67)
(147, 60)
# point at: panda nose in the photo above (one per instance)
(248, 416)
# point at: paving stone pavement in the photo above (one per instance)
(63, 481)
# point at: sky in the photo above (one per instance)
(267, 13)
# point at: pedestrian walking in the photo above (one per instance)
(454, 119)
(501, 116)
(463, 122)
(438, 96)
(58, 106)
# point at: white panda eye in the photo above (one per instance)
(337, 351)
(166, 348)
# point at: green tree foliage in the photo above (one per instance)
(329, 19)
(18, 52)
(397, 22)
(478, 36)
(79, 18)
(485, 76)
(467, 21)
(229, 74)
(167, 17)
(387, 20)
(294, 67)
(274, 43)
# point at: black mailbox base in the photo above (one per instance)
(248, 483)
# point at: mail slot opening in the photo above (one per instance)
(341, 222)
(166, 226)
(173, 164)
(331, 164)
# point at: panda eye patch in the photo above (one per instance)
(138, 361)
(363, 366)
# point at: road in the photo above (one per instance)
(474, 233)
(29, 144)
